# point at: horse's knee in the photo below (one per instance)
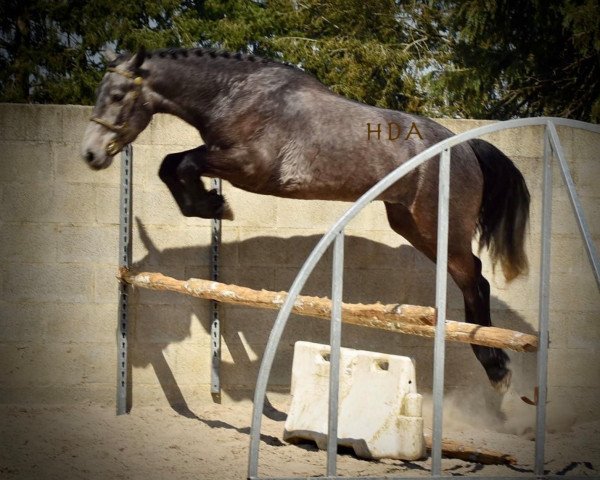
(188, 170)
(168, 167)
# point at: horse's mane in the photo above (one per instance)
(203, 52)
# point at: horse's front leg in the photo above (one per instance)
(182, 173)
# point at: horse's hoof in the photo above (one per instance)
(217, 204)
(502, 385)
(226, 212)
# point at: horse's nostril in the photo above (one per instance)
(89, 156)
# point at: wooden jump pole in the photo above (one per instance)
(407, 319)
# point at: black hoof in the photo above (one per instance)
(501, 380)
(495, 362)
(497, 370)
(210, 205)
(219, 207)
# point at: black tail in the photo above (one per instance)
(504, 210)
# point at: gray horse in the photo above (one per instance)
(271, 128)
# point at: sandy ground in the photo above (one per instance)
(91, 442)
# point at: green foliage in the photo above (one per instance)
(525, 58)
(474, 58)
(50, 50)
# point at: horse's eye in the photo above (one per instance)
(117, 97)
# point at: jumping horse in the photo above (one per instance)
(272, 129)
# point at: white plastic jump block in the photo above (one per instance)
(380, 411)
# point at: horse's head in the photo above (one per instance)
(122, 111)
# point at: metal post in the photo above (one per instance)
(440, 304)
(544, 309)
(126, 198)
(584, 229)
(334, 355)
(215, 325)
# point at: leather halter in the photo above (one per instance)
(117, 145)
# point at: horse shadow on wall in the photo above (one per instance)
(373, 272)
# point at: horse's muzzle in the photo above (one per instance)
(95, 162)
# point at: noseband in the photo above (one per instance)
(117, 144)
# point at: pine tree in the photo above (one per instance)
(517, 59)
(475, 58)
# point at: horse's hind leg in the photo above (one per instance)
(181, 172)
(465, 269)
(466, 272)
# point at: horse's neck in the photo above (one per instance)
(186, 89)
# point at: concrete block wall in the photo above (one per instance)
(58, 293)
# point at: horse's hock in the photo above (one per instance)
(59, 247)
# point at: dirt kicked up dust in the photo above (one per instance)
(91, 442)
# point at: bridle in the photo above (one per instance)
(117, 144)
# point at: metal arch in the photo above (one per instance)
(575, 203)
(339, 226)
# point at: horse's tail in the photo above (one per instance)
(504, 210)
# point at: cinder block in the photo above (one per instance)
(526, 142)
(170, 130)
(28, 242)
(73, 283)
(72, 203)
(574, 291)
(457, 125)
(30, 122)
(24, 204)
(379, 412)
(106, 284)
(28, 162)
(372, 285)
(586, 145)
(169, 245)
(250, 210)
(87, 244)
(516, 294)
(271, 247)
(22, 322)
(69, 166)
(574, 368)
(57, 322)
(568, 406)
(378, 249)
(147, 160)
(318, 284)
(586, 174)
(75, 121)
(372, 219)
(308, 214)
(106, 205)
(583, 331)
(563, 216)
(77, 323)
(157, 206)
(171, 324)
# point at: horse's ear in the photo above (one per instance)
(108, 55)
(139, 58)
